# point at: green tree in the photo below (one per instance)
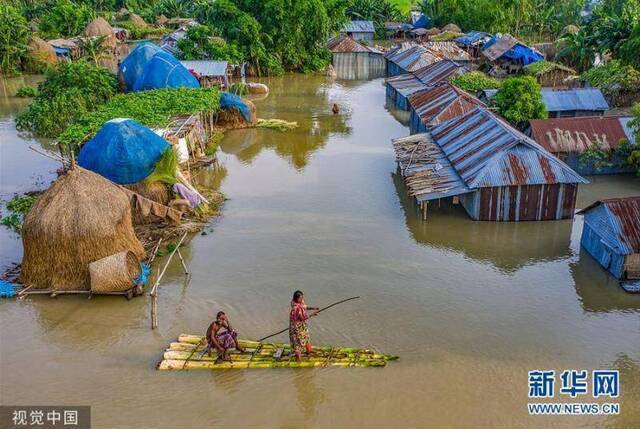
(65, 19)
(578, 49)
(634, 157)
(93, 48)
(200, 43)
(378, 11)
(519, 100)
(14, 38)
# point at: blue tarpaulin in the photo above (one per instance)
(164, 71)
(230, 101)
(134, 64)
(123, 151)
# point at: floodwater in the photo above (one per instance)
(469, 307)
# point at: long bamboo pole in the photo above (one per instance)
(319, 311)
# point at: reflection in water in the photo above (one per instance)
(309, 394)
(506, 245)
(307, 101)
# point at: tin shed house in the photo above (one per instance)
(353, 60)
(611, 234)
(498, 173)
(569, 103)
(359, 30)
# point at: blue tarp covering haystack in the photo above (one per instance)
(123, 151)
(133, 66)
(230, 101)
(149, 67)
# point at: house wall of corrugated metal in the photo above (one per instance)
(362, 36)
(358, 65)
(416, 125)
(394, 70)
(605, 255)
(521, 203)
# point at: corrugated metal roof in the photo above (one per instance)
(486, 151)
(406, 84)
(348, 45)
(442, 103)
(617, 221)
(414, 58)
(448, 50)
(359, 27)
(500, 46)
(578, 134)
(472, 38)
(427, 172)
(207, 67)
(439, 71)
(561, 100)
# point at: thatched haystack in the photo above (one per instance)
(162, 21)
(100, 27)
(155, 191)
(433, 31)
(137, 20)
(233, 119)
(80, 219)
(42, 51)
(452, 28)
(570, 29)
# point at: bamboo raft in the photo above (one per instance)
(187, 353)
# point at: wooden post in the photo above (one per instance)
(424, 209)
(184, 266)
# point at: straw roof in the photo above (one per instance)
(452, 27)
(137, 20)
(100, 27)
(80, 219)
(42, 51)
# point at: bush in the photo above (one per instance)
(519, 100)
(26, 92)
(18, 207)
(614, 79)
(475, 82)
(69, 90)
(151, 108)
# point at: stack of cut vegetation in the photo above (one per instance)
(80, 219)
(161, 21)
(100, 27)
(276, 124)
(452, 28)
(236, 112)
(42, 52)
(137, 20)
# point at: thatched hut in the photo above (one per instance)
(42, 52)
(80, 219)
(100, 27)
(137, 20)
(452, 28)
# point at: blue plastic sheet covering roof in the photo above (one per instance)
(563, 100)
(617, 223)
(163, 70)
(207, 67)
(123, 151)
(134, 64)
(472, 38)
(439, 71)
(487, 152)
(230, 101)
(358, 27)
(422, 21)
(406, 84)
(419, 157)
(507, 46)
(62, 51)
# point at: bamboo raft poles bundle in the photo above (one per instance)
(189, 353)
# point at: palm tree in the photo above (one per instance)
(578, 49)
(93, 48)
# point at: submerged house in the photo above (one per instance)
(569, 138)
(400, 87)
(495, 172)
(611, 234)
(359, 30)
(449, 50)
(437, 104)
(353, 60)
(209, 72)
(507, 55)
(568, 103)
(409, 58)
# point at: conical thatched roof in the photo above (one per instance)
(81, 218)
(162, 20)
(42, 51)
(452, 27)
(137, 20)
(100, 27)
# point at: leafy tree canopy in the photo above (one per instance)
(14, 38)
(65, 19)
(519, 100)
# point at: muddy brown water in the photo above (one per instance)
(469, 307)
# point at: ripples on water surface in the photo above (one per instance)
(469, 306)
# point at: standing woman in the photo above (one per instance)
(298, 331)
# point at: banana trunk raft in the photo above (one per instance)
(188, 353)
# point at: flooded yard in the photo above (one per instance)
(470, 307)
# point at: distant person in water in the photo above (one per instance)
(298, 331)
(335, 109)
(222, 341)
